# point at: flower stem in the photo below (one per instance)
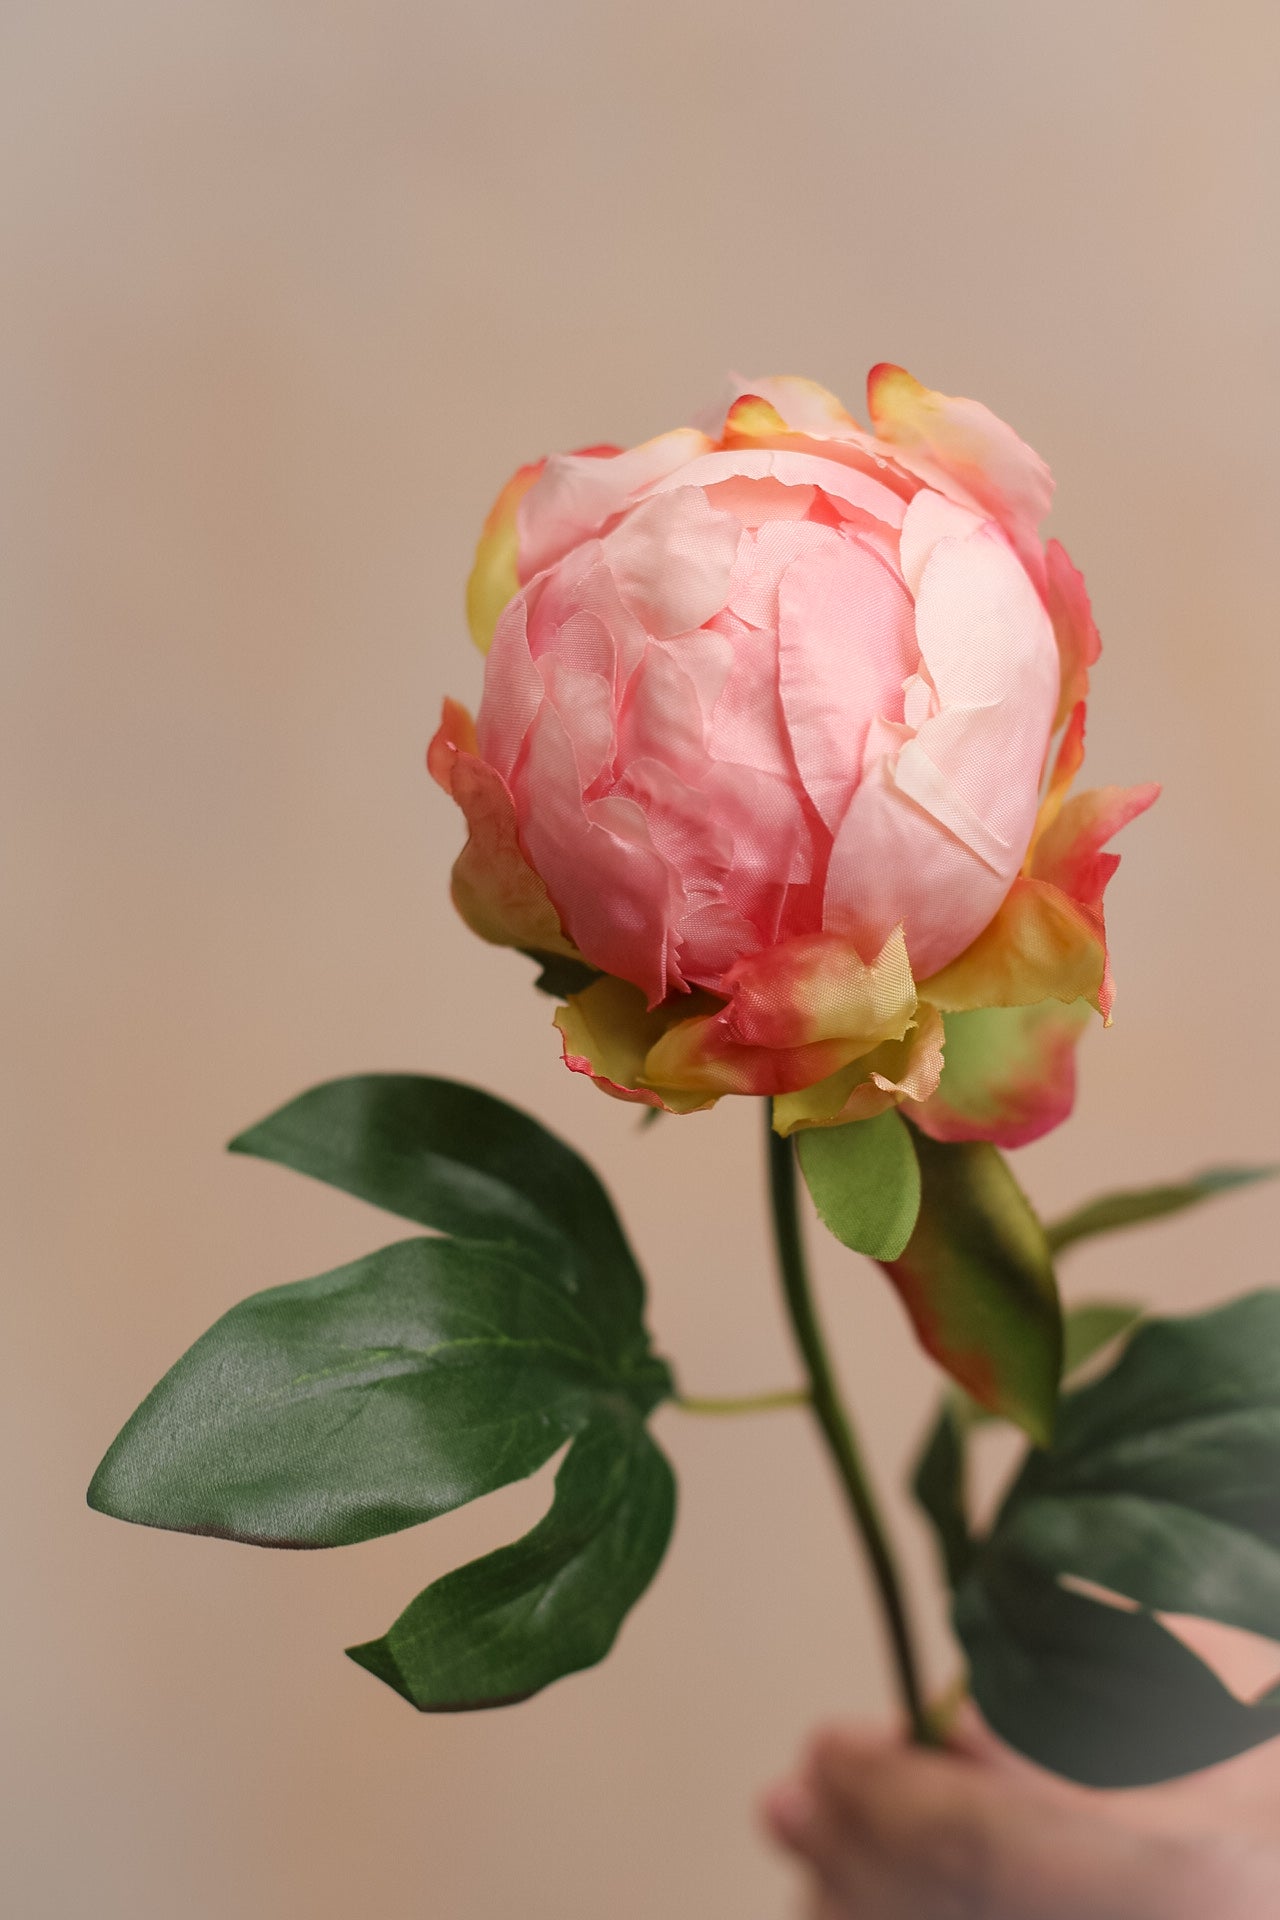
(743, 1402)
(837, 1431)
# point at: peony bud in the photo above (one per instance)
(764, 724)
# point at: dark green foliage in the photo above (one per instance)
(414, 1380)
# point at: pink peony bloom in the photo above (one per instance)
(764, 726)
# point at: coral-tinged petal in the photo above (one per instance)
(608, 1030)
(897, 1070)
(935, 836)
(1041, 945)
(662, 716)
(796, 1013)
(576, 495)
(1079, 644)
(494, 888)
(1069, 854)
(494, 576)
(836, 603)
(1010, 1073)
(755, 503)
(750, 420)
(838, 470)
(1067, 764)
(800, 405)
(672, 557)
(931, 517)
(613, 891)
(513, 689)
(968, 453)
(456, 734)
(818, 987)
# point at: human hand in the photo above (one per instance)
(890, 1832)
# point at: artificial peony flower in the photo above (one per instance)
(763, 744)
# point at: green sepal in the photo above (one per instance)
(865, 1182)
(507, 1625)
(1160, 1488)
(1131, 1207)
(977, 1279)
(560, 974)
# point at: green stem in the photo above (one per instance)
(743, 1402)
(837, 1431)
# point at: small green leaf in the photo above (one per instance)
(977, 1280)
(1131, 1208)
(1161, 1488)
(454, 1158)
(939, 1484)
(560, 974)
(505, 1626)
(865, 1182)
(366, 1400)
(1091, 1326)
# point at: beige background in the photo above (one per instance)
(289, 289)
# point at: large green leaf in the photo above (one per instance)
(865, 1182)
(366, 1400)
(1106, 1697)
(1131, 1207)
(505, 1626)
(977, 1280)
(454, 1158)
(940, 1479)
(412, 1381)
(1162, 1486)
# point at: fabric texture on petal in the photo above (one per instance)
(892, 1073)
(1010, 1073)
(1069, 855)
(1079, 644)
(494, 888)
(1040, 945)
(767, 696)
(936, 831)
(795, 1013)
(608, 1032)
(576, 495)
(968, 453)
(495, 578)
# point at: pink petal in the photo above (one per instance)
(576, 495)
(612, 890)
(1079, 644)
(935, 836)
(793, 468)
(672, 558)
(846, 643)
(967, 452)
(513, 690)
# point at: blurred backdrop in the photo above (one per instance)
(289, 289)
